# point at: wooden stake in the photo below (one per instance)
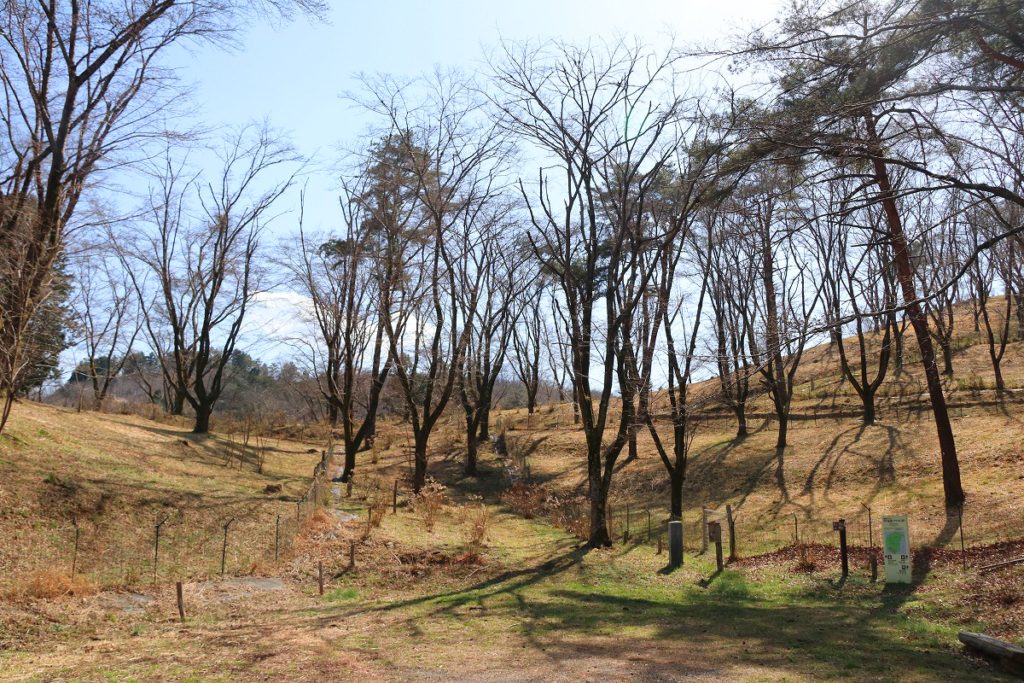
(181, 601)
(320, 576)
(394, 500)
(732, 533)
(74, 558)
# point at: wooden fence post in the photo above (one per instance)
(156, 547)
(715, 536)
(74, 557)
(703, 528)
(320, 576)
(732, 533)
(840, 526)
(181, 601)
(224, 548)
(394, 500)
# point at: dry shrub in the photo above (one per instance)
(318, 522)
(47, 584)
(377, 508)
(429, 503)
(804, 563)
(566, 517)
(479, 517)
(527, 500)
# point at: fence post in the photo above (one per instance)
(320, 576)
(394, 500)
(715, 536)
(181, 601)
(156, 547)
(277, 539)
(796, 529)
(675, 543)
(871, 533)
(732, 533)
(74, 556)
(703, 528)
(840, 526)
(224, 548)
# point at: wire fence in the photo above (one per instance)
(968, 528)
(240, 536)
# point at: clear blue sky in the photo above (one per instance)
(295, 74)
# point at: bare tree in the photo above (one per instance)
(765, 219)
(106, 311)
(84, 90)
(347, 349)
(853, 267)
(452, 158)
(1001, 262)
(506, 278)
(731, 281)
(573, 103)
(205, 269)
(526, 343)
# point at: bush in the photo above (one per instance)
(429, 503)
(527, 500)
(479, 517)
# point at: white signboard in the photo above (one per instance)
(896, 548)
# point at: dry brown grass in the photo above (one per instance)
(47, 584)
(117, 476)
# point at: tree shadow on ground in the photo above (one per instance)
(720, 626)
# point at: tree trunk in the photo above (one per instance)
(783, 416)
(485, 423)
(677, 477)
(177, 406)
(868, 399)
(947, 357)
(419, 478)
(633, 455)
(952, 486)
(203, 413)
(599, 536)
(740, 408)
(471, 449)
(350, 461)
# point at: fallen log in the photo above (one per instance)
(1009, 656)
(997, 565)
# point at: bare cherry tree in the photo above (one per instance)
(196, 276)
(346, 288)
(106, 312)
(526, 345)
(84, 90)
(604, 116)
(452, 158)
(506, 279)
